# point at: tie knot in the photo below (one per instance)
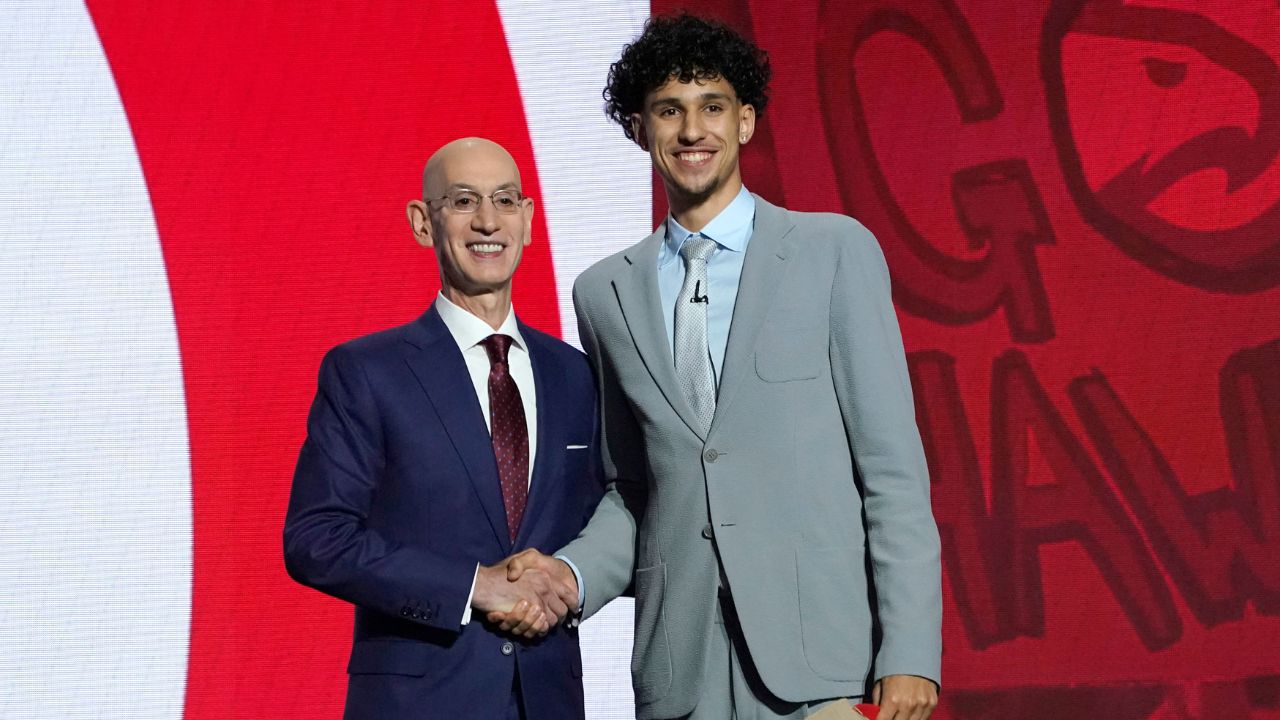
(697, 247)
(496, 346)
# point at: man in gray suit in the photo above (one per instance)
(769, 494)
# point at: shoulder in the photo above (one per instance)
(602, 272)
(826, 237)
(827, 234)
(370, 349)
(375, 343)
(839, 233)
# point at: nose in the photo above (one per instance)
(691, 129)
(485, 218)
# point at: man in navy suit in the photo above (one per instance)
(435, 450)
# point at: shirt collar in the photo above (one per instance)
(468, 330)
(731, 228)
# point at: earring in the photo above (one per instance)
(744, 138)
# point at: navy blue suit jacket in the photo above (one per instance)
(396, 498)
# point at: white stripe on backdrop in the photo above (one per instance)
(95, 481)
(596, 185)
(596, 197)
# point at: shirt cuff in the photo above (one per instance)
(582, 589)
(466, 614)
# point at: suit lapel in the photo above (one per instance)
(549, 458)
(637, 289)
(440, 369)
(761, 276)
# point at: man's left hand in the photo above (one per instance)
(905, 697)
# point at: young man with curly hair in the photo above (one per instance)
(769, 496)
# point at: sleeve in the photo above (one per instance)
(604, 552)
(577, 577)
(874, 391)
(329, 544)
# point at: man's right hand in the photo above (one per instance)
(531, 562)
(533, 599)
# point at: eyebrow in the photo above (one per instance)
(672, 100)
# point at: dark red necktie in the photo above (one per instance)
(508, 430)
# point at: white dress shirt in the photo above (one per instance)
(468, 332)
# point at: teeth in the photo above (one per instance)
(486, 247)
(695, 157)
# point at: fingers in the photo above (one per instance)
(552, 593)
(547, 594)
(554, 604)
(536, 607)
(524, 612)
(526, 620)
(508, 620)
(515, 568)
(896, 711)
(523, 560)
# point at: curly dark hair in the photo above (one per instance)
(685, 47)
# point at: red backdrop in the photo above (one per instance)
(1080, 205)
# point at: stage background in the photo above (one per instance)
(1080, 206)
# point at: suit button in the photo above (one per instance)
(706, 531)
(508, 648)
(711, 455)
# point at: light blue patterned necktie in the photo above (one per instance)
(692, 353)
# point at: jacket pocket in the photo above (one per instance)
(651, 661)
(389, 657)
(780, 366)
(835, 620)
(575, 464)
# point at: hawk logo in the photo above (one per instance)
(1167, 125)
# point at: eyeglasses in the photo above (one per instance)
(506, 202)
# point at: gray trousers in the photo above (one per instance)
(732, 688)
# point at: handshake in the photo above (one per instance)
(527, 594)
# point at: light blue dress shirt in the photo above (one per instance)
(731, 231)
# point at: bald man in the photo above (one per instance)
(435, 450)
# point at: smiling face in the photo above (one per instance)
(693, 131)
(478, 252)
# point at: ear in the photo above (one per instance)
(637, 132)
(420, 223)
(526, 210)
(746, 123)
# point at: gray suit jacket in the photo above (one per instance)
(812, 472)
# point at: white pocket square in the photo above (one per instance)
(575, 447)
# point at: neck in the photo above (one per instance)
(694, 212)
(493, 306)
